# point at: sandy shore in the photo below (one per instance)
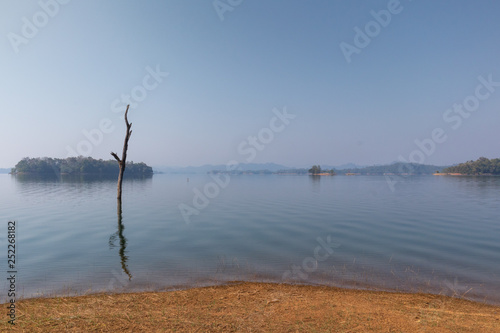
(254, 307)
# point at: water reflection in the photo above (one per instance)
(315, 182)
(122, 240)
(315, 178)
(69, 187)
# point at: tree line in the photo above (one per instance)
(395, 168)
(482, 166)
(77, 166)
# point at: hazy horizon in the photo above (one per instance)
(301, 166)
(330, 83)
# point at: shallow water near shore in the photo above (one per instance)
(429, 234)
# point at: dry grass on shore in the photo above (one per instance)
(254, 307)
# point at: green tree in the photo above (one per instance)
(480, 167)
(316, 169)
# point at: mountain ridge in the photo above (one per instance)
(395, 167)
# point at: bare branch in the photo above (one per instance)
(126, 120)
(116, 157)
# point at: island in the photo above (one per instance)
(47, 166)
(481, 167)
(317, 171)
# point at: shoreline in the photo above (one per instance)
(255, 306)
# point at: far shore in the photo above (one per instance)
(448, 174)
(255, 307)
(464, 174)
(322, 174)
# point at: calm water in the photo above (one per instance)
(432, 234)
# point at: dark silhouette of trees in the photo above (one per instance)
(316, 169)
(482, 166)
(78, 166)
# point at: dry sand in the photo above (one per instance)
(254, 307)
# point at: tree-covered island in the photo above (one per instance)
(317, 171)
(78, 166)
(481, 167)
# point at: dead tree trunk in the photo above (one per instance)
(122, 162)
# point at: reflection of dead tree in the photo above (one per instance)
(123, 241)
(123, 160)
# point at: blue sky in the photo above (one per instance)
(67, 67)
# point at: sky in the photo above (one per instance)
(212, 82)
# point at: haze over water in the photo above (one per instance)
(431, 234)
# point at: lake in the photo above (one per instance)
(427, 233)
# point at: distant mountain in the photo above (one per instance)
(182, 170)
(2, 170)
(264, 166)
(343, 166)
(221, 167)
(395, 168)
